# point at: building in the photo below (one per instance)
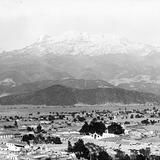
(15, 145)
(97, 136)
(9, 135)
(4, 135)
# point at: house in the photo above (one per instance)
(15, 145)
(12, 156)
(9, 135)
(95, 136)
(4, 135)
(135, 134)
(98, 136)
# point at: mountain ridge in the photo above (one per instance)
(60, 95)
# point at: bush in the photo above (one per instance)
(146, 121)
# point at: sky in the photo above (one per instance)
(22, 22)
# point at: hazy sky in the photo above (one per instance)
(24, 21)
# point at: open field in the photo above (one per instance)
(23, 110)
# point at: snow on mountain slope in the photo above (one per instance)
(8, 82)
(76, 43)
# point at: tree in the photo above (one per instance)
(79, 146)
(48, 158)
(61, 116)
(154, 157)
(127, 157)
(89, 151)
(39, 128)
(145, 152)
(80, 150)
(16, 124)
(93, 127)
(27, 138)
(140, 157)
(138, 116)
(126, 122)
(85, 129)
(103, 155)
(152, 122)
(121, 155)
(146, 121)
(39, 138)
(115, 128)
(69, 146)
(51, 118)
(80, 119)
(132, 116)
(57, 140)
(29, 129)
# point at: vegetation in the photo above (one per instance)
(93, 127)
(115, 128)
(121, 155)
(27, 138)
(146, 122)
(88, 151)
(142, 154)
(39, 138)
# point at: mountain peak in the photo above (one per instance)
(77, 43)
(43, 38)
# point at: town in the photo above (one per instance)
(96, 134)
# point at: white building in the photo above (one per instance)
(97, 136)
(15, 145)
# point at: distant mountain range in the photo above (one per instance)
(73, 55)
(60, 95)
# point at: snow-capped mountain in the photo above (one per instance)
(105, 57)
(76, 43)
